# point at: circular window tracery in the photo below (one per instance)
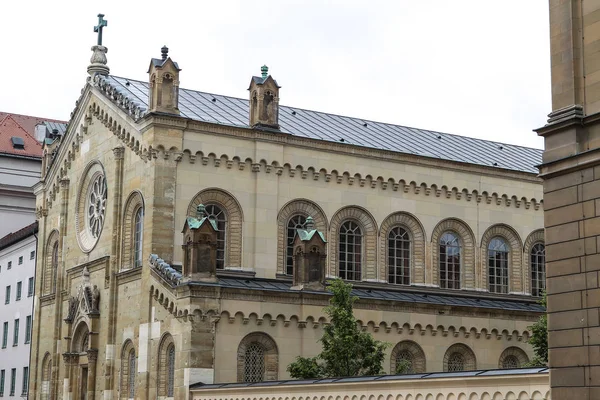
(96, 206)
(90, 214)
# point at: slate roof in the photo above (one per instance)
(396, 294)
(225, 110)
(376, 378)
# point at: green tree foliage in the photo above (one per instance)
(347, 351)
(403, 367)
(539, 339)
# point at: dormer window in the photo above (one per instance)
(18, 143)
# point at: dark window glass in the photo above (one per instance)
(450, 261)
(350, 251)
(215, 213)
(296, 222)
(498, 265)
(399, 256)
(538, 269)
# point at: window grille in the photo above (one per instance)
(538, 269)
(510, 362)
(215, 213)
(399, 256)
(406, 356)
(137, 237)
(450, 261)
(498, 265)
(456, 362)
(132, 374)
(350, 251)
(254, 363)
(296, 222)
(171, 371)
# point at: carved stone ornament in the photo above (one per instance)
(87, 300)
(98, 61)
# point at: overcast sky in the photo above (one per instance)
(477, 68)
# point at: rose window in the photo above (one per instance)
(96, 206)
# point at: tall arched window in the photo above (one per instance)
(137, 237)
(350, 251)
(217, 214)
(296, 222)
(254, 366)
(538, 269)
(132, 374)
(399, 256)
(450, 261)
(407, 358)
(170, 370)
(498, 251)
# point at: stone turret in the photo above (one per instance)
(310, 254)
(164, 84)
(264, 101)
(200, 247)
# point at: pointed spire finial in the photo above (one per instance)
(164, 51)
(264, 70)
(200, 211)
(309, 225)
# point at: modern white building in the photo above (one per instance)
(21, 138)
(17, 276)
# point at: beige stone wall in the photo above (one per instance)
(261, 176)
(521, 387)
(264, 177)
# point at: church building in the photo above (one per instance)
(188, 237)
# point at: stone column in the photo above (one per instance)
(571, 173)
(92, 355)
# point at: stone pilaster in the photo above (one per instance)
(109, 368)
(92, 355)
(571, 173)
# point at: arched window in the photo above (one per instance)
(128, 371)
(257, 358)
(166, 367)
(350, 251)
(399, 248)
(254, 366)
(217, 214)
(137, 237)
(131, 383)
(538, 269)
(459, 357)
(170, 370)
(407, 358)
(513, 357)
(498, 252)
(296, 222)
(510, 362)
(52, 257)
(450, 262)
(46, 377)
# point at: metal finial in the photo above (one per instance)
(164, 51)
(98, 28)
(264, 71)
(200, 211)
(309, 225)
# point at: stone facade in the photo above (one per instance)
(519, 385)
(571, 173)
(150, 333)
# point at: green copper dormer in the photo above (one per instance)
(199, 220)
(309, 231)
(310, 254)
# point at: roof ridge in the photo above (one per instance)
(351, 117)
(33, 116)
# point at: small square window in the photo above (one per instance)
(32, 255)
(20, 260)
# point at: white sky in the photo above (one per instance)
(477, 68)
